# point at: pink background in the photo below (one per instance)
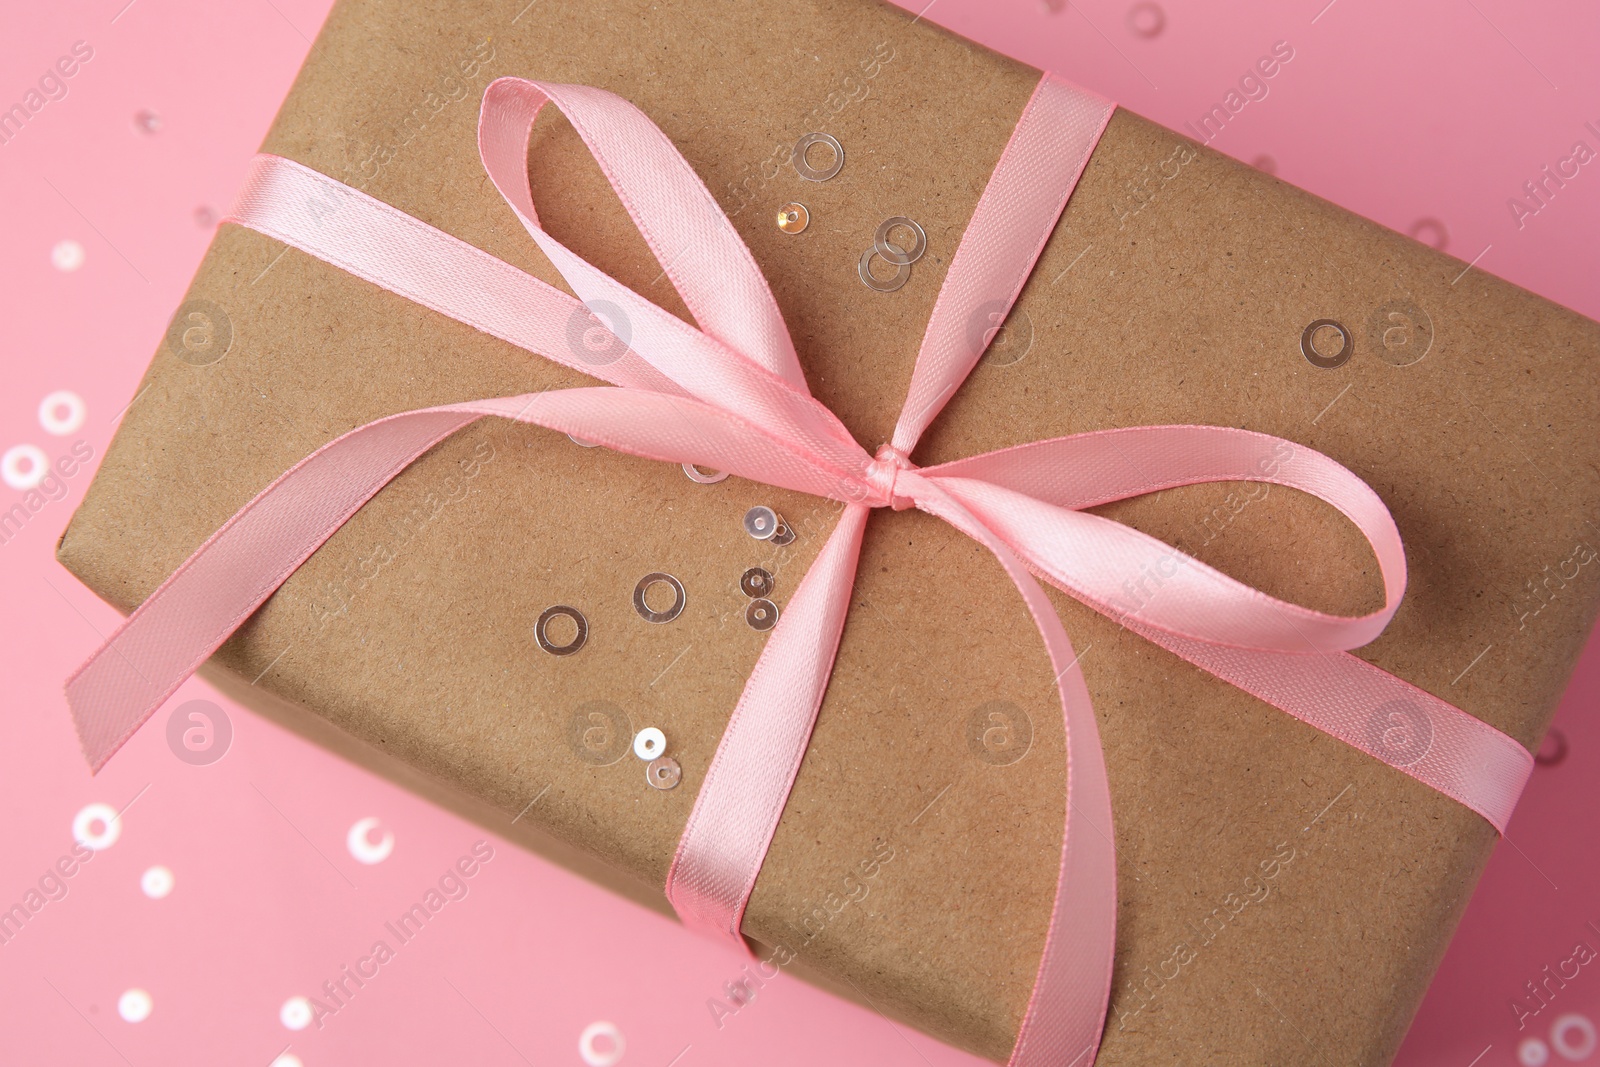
(1438, 111)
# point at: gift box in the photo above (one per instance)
(1281, 895)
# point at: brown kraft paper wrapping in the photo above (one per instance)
(1279, 892)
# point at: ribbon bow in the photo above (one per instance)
(730, 394)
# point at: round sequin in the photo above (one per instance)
(97, 826)
(361, 845)
(62, 412)
(649, 743)
(1574, 1037)
(902, 274)
(1431, 232)
(601, 1044)
(762, 615)
(67, 256)
(296, 1013)
(1533, 1052)
(892, 252)
(697, 475)
(24, 466)
(659, 578)
(1552, 750)
(802, 164)
(1147, 19)
(793, 218)
(663, 773)
(756, 582)
(1315, 356)
(542, 635)
(157, 882)
(135, 1006)
(761, 522)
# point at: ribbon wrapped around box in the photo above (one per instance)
(728, 392)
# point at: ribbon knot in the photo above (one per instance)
(882, 474)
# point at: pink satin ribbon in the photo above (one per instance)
(730, 394)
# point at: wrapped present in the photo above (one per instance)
(552, 637)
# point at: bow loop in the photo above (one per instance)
(738, 356)
(699, 252)
(1033, 496)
